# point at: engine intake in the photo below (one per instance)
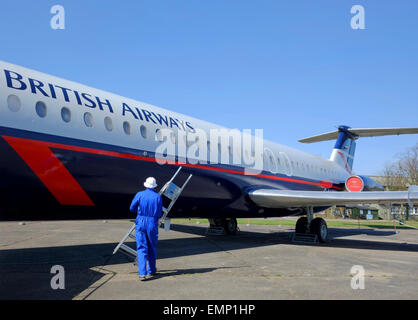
(362, 183)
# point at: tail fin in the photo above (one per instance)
(345, 146)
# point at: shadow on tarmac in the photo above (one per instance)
(26, 273)
(184, 272)
(248, 239)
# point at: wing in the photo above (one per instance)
(361, 132)
(274, 198)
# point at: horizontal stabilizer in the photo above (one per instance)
(274, 198)
(365, 132)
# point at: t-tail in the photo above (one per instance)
(345, 148)
(345, 145)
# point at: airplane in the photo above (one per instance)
(70, 151)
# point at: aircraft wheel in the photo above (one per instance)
(231, 226)
(319, 227)
(301, 225)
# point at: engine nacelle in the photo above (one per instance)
(362, 183)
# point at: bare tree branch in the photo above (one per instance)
(402, 173)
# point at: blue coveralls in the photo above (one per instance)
(148, 205)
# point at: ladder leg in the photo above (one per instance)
(123, 239)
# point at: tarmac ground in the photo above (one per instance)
(259, 263)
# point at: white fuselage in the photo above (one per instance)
(36, 106)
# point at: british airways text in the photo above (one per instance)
(16, 81)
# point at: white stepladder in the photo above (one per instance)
(169, 190)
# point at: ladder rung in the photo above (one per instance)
(128, 249)
(132, 236)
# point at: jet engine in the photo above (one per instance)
(362, 183)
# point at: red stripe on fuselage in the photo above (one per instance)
(50, 170)
(65, 188)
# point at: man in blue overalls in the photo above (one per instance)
(148, 205)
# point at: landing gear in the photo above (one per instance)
(302, 225)
(223, 225)
(319, 227)
(309, 225)
(231, 226)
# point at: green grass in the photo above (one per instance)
(374, 224)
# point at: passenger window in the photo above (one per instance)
(173, 137)
(66, 114)
(40, 109)
(13, 102)
(143, 130)
(88, 119)
(127, 127)
(108, 123)
(158, 135)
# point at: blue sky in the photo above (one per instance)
(292, 68)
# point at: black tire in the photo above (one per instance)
(301, 225)
(231, 226)
(319, 227)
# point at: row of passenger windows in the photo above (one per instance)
(41, 109)
(273, 166)
(14, 105)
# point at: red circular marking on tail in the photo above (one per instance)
(354, 184)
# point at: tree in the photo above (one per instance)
(402, 173)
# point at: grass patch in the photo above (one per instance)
(373, 224)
